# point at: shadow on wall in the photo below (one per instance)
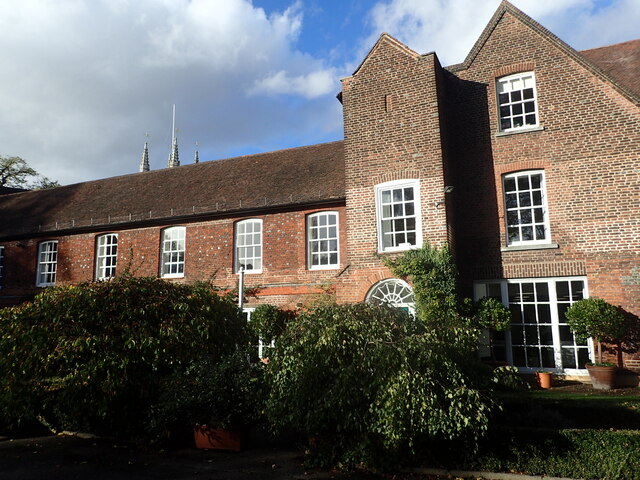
(477, 228)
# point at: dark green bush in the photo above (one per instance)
(370, 382)
(227, 393)
(92, 356)
(607, 454)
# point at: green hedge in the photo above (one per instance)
(92, 356)
(604, 454)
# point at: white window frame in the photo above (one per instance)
(262, 346)
(322, 243)
(480, 291)
(106, 256)
(174, 241)
(245, 241)
(394, 292)
(527, 215)
(1, 264)
(382, 213)
(47, 263)
(510, 85)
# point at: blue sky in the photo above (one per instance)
(84, 80)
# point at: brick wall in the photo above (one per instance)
(589, 148)
(285, 276)
(392, 132)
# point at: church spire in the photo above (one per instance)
(144, 161)
(174, 160)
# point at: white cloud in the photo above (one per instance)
(311, 85)
(451, 28)
(83, 80)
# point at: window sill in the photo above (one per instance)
(173, 275)
(404, 248)
(538, 246)
(328, 267)
(519, 130)
(250, 272)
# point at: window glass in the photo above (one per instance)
(173, 250)
(539, 337)
(526, 208)
(322, 240)
(398, 215)
(106, 256)
(517, 107)
(393, 292)
(47, 263)
(249, 246)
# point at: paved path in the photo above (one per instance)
(69, 458)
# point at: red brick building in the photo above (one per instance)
(525, 158)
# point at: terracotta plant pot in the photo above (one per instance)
(544, 379)
(602, 378)
(208, 438)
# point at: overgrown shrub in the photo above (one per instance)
(225, 393)
(567, 453)
(92, 356)
(369, 382)
(267, 323)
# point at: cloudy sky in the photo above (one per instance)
(84, 81)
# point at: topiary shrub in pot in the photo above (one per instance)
(598, 319)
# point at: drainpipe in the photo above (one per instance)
(241, 288)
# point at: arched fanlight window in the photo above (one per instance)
(393, 292)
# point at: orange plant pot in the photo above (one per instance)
(208, 438)
(544, 379)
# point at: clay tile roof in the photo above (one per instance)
(620, 61)
(284, 178)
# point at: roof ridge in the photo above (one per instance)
(394, 42)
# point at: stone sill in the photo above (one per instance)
(541, 246)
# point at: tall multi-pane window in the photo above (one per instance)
(249, 245)
(539, 337)
(1, 263)
(322, 238)
(517, 104)
(106, 256)
(173, 249)
(398, 209)
(47, 263)
(525, 202)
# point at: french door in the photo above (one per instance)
(539, 337)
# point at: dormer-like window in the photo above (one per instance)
(173, 249)
(517, 104)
